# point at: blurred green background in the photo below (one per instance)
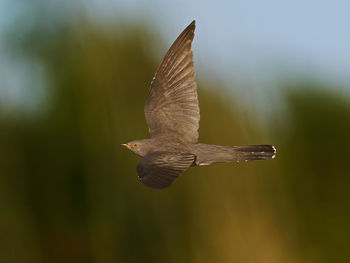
(73, 89)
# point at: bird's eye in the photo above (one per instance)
(135, 145)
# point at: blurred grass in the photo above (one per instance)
(69, 193)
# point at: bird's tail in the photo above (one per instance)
(254, 152)
(226, 154)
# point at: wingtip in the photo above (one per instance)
(192, 25)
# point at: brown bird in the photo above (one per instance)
(172, 115)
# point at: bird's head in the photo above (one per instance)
(140, 147)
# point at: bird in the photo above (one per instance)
(172, 115)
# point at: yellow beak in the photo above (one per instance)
(125, 145)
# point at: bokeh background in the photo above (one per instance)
(74, 79)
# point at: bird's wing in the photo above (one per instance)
(159, 169)
(171, 109)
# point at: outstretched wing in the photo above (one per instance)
(159, 169)
(171, 108)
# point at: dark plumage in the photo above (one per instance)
(172, 115)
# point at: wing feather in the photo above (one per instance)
(159, 169)
(172, 109)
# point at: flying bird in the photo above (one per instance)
(172, 115)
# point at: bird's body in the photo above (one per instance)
(223, 154)
(172, 115)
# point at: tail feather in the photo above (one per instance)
(254, 152)
(208, 154)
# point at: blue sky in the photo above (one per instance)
(252, 42)
(310, 33)
(253, 36)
